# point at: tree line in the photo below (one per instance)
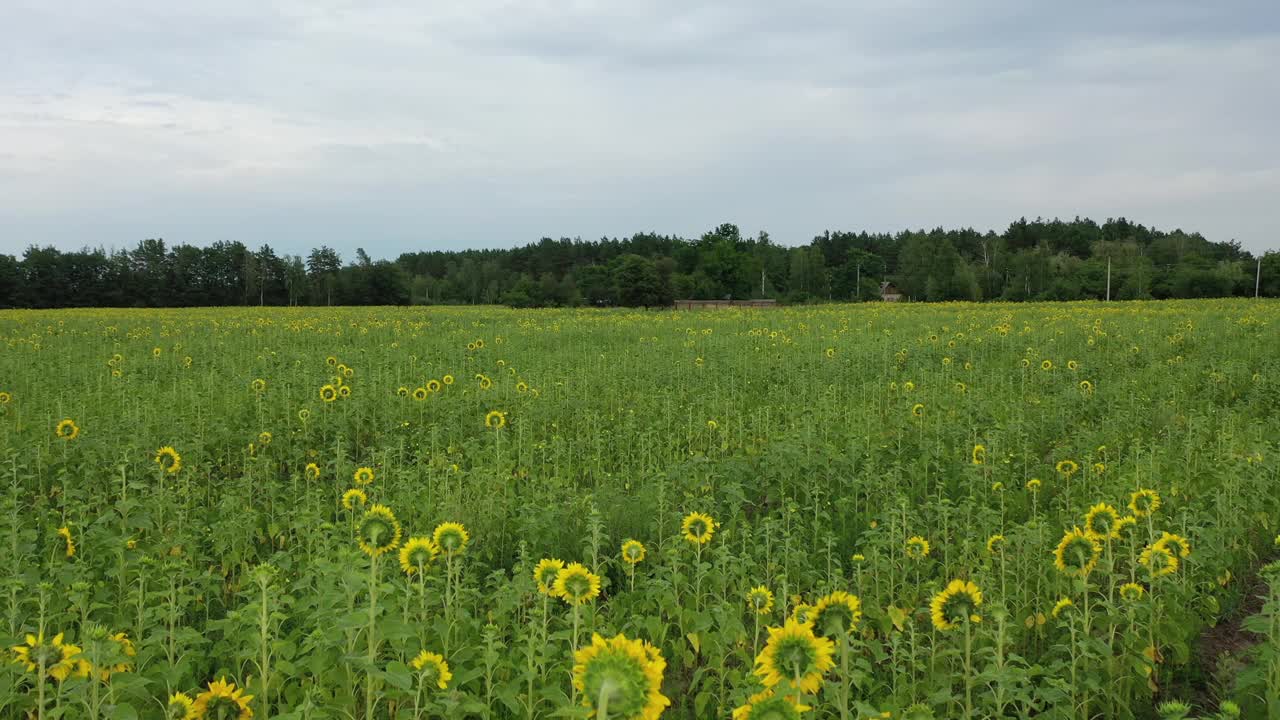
(1031, 260)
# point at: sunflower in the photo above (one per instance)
(831, 352)
(801, 612)
(348, 373)
(698, 528)
(5, 398)
(420, 394)
(432, 669)
(1144, 502)
(155, 352)
(433, 386)
(168, 459)
(760, 600)
(331, 361)
(958, 602)
(344, 391)
(264, 438)
(402, 391)
(836, 613)
(522, 387)
(625, 674)
(545, 574)
(1176, 544)
(180, 707)
(258, 385)
(917, 548)
(451, 538)
(312, 471)
(794, 653)
(979, 454)
(65, 533)
(1061, 606)
(1077, 553)
(1067, 467)
(417, 553)
(918, 410)
(378, 531)
(1100, 522)
(59, 659)
(485, 383)
(328, 393)
(576, 584)
(354, 497)
(495, 419)
(447, 379)
(223, 700)
(632, 552)
(712, 425)
(1099, 468)
(1046, 364)
(124, 649)
(1086, 386)
(769, 706)
(1159, 560)
(1034, 485)
(67, 430)
(1132, 592)
(1124, 527)
(363, 476)
(995, 544)
(908, 386)
(304, 414)
(1072, 365)
(961, 388)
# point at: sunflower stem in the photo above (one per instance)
(373, 642)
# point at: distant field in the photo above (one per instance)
(1100, 479)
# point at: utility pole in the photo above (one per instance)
(761, 282)
(1257, 279)
(1108, 279)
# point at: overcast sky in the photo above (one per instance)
(445, 124)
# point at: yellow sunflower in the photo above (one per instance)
(767, 705)
(432, 669)
(264, 438)
(331, 361)
(180, 707)
(918, 410)
(1159, 560)
(420, 394)
(917, 548)
(5, 398)
(698, 528)
(995, 544)
(959, 601)
(794, 653)
(625, 674)
(1077, 553)
(1100, 522)
(1034, 485)
(836, 613)
(258, 385)
(433, 386)
(344, 391)
(760, 600)
(328, 393)
(576, 584)
(447, 379)
(378, 531)
(1046, 364)
(979, 454)
(1176, 544)
(450, 538)
(65, 533)
(223, 700)
(495, 419)
(363, 476)
(632, 552)
(312, 471)
(545, 574)
(168, 459)
(1132, 592)
(402, 391)
(67, 430)
(353, 498)
(61, 660)
(1067, 467)
(1144, 502)
(417, 554)
(124, 649)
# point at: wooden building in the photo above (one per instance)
(889, 293)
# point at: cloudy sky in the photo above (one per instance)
(400, 125)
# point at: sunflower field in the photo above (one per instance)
(862, 511)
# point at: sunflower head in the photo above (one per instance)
(626, 673)
(180, 707)
(447, 379)
(1046, 364)
(258, 385)
(420, 394)
(451, 538)
(354, 498)
(417, 554)
(801, 612)
(632, 552)
(959, 601)
(60, 660)
(363, 476)
(1100, 522)
(378, 531)
(223, 701)
(794, 652)
(1124, 527)
(1034, 485)
(264, 438)
(432, 670)
(402, 391)
(1176, 544)
(495, 419)
(328, 393)
(312, 471)
(1067, 467)
(1077, 553)
(1132, 592)
(64, 532)
(768, 705)
(760, 600)
(433, 386)
(836, 613)
(698, 528)
(917, 548)
(1086, 386)
(344, 391)
(1144, 502)
(575, 584)
(979, 455)
(995, 544)
(67, 429)
(918, 410)
(1061, 606)
(168, 459)
(545, 574)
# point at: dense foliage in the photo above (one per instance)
(1040, 260)
(943, 511)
